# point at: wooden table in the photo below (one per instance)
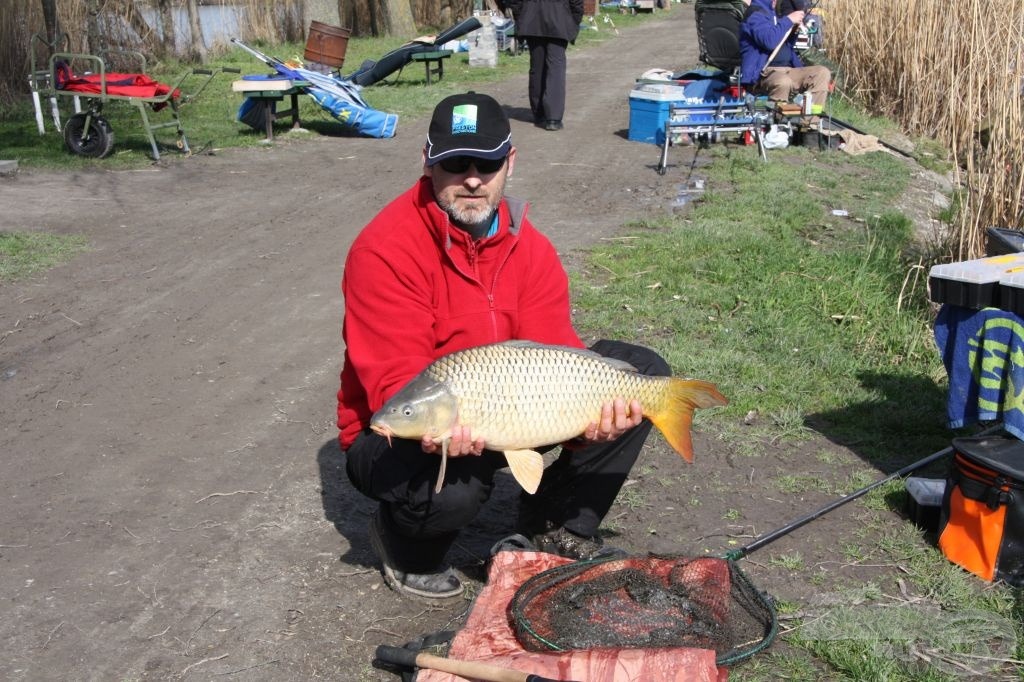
(267, 92)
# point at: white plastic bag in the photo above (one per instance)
(776, 138)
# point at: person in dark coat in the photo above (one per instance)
(547, 26)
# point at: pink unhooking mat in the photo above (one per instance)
(488, 638)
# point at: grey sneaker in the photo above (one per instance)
(571, 546)
(423, 586)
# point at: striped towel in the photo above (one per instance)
(983, 351)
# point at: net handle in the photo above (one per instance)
(468, 669)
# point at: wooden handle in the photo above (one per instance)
(469, 669)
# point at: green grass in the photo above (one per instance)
(792, 311)
(25, 253)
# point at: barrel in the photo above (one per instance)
(326, 44)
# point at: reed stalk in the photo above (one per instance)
(953, 71)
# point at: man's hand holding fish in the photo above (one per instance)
(461, 443)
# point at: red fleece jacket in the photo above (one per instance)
(417, 288)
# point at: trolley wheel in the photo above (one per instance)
(96, 142)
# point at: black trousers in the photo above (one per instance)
(547, 77)
(576, 491)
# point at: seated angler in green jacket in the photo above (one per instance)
(449, 264)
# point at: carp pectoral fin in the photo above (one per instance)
(444, 465)
(675, 421)
(527, 467)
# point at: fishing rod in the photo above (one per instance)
(265, 58)
(813, 6)
(804, 520)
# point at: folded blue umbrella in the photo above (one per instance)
(338, 96)
(342, 100)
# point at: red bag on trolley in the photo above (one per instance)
(981, 527)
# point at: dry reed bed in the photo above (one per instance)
(953, 71)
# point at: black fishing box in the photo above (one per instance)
(1003, 240)
(981, 527)
(924, 501)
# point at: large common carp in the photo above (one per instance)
(520, 395)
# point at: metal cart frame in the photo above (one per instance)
(87, 132)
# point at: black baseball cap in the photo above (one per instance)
(468, 124)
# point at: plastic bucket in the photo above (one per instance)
(326, 44)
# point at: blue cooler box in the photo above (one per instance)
(649, 107)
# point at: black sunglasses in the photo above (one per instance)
(460, 164)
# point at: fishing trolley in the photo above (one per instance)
(87, 132)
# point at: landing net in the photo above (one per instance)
(641, 602)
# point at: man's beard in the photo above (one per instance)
(475, 221)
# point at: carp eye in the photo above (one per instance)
(407, 410)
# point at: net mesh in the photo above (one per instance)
(641, 602)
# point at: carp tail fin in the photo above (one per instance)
(675, 419)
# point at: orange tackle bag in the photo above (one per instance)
(981, 526)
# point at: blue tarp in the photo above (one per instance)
(708, 89)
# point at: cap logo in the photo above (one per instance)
(464, 119)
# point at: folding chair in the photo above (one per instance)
(718, 31)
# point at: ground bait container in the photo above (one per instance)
(981, 526)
